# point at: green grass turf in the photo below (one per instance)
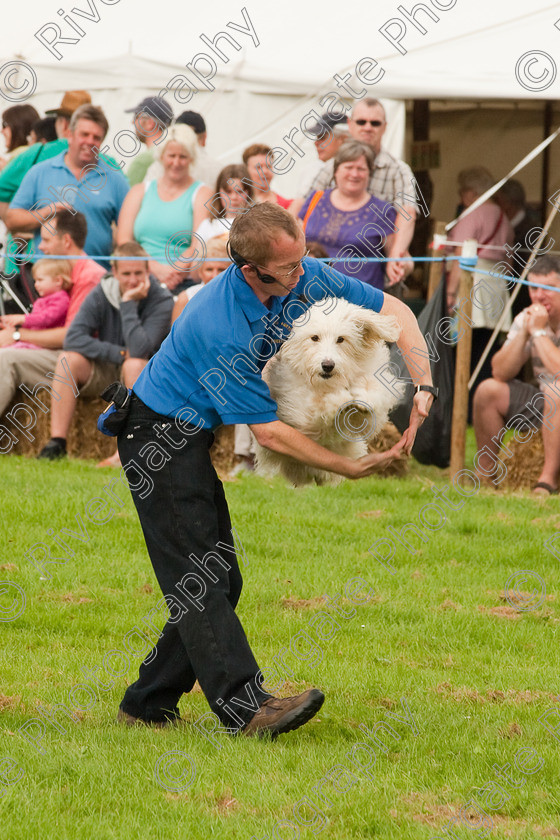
(475, 674)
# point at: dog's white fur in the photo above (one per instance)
(352, 338)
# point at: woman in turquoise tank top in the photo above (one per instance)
(162, 215)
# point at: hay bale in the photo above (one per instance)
(84, 441)
(525, 465)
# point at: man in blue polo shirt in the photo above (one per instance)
(208, 372)
(76, 179)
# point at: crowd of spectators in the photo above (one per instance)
(60, 195)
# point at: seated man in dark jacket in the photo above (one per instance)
(119, 326)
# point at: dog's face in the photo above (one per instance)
(334, 339)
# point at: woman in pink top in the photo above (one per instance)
(52, 279)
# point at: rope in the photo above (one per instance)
(511, 278)
(440, 242)
(26, 257)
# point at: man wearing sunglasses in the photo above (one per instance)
(208, 371)
(391, 179)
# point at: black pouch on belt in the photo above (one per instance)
(112, 420)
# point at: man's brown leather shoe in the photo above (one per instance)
(284, 714)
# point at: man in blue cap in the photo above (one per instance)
(152, 117)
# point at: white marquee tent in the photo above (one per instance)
(470, 52)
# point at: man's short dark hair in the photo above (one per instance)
(74, 224)
(92, 113)
(192, 119)
(369, 102)
(253, 233)
(128, 249)
(546, 265)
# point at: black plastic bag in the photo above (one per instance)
(433, 440)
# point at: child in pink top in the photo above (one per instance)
(52, 279)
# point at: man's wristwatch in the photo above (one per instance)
(429, 388)
(16, 335)
(536, 333)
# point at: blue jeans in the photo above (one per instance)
(184, 516)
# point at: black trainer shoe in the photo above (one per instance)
(279, 715)
(52, 451)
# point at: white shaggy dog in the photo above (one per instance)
(323, 380)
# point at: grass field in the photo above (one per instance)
(435, 651)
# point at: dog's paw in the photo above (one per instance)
(357, 420)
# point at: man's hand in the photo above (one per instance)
(420, 409)
(173, 280)
(6, 337)
(7, 321)
(166, 274)
(397, 271)
(139, 292)
(536, 318)
(374, 462)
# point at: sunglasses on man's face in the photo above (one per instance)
(374, 123)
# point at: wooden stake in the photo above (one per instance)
(436, 268)
(462, 365)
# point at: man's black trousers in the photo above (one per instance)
(184, 517)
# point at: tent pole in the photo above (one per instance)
(546, 158)
(462, 366)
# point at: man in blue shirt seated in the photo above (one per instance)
(77, 179)
(208, 372)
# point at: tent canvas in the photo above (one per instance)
(262, 90)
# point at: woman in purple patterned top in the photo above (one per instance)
(348, 221)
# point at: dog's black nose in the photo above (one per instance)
(327, 365)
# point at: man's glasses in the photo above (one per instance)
(373, 123)
(291, 271)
